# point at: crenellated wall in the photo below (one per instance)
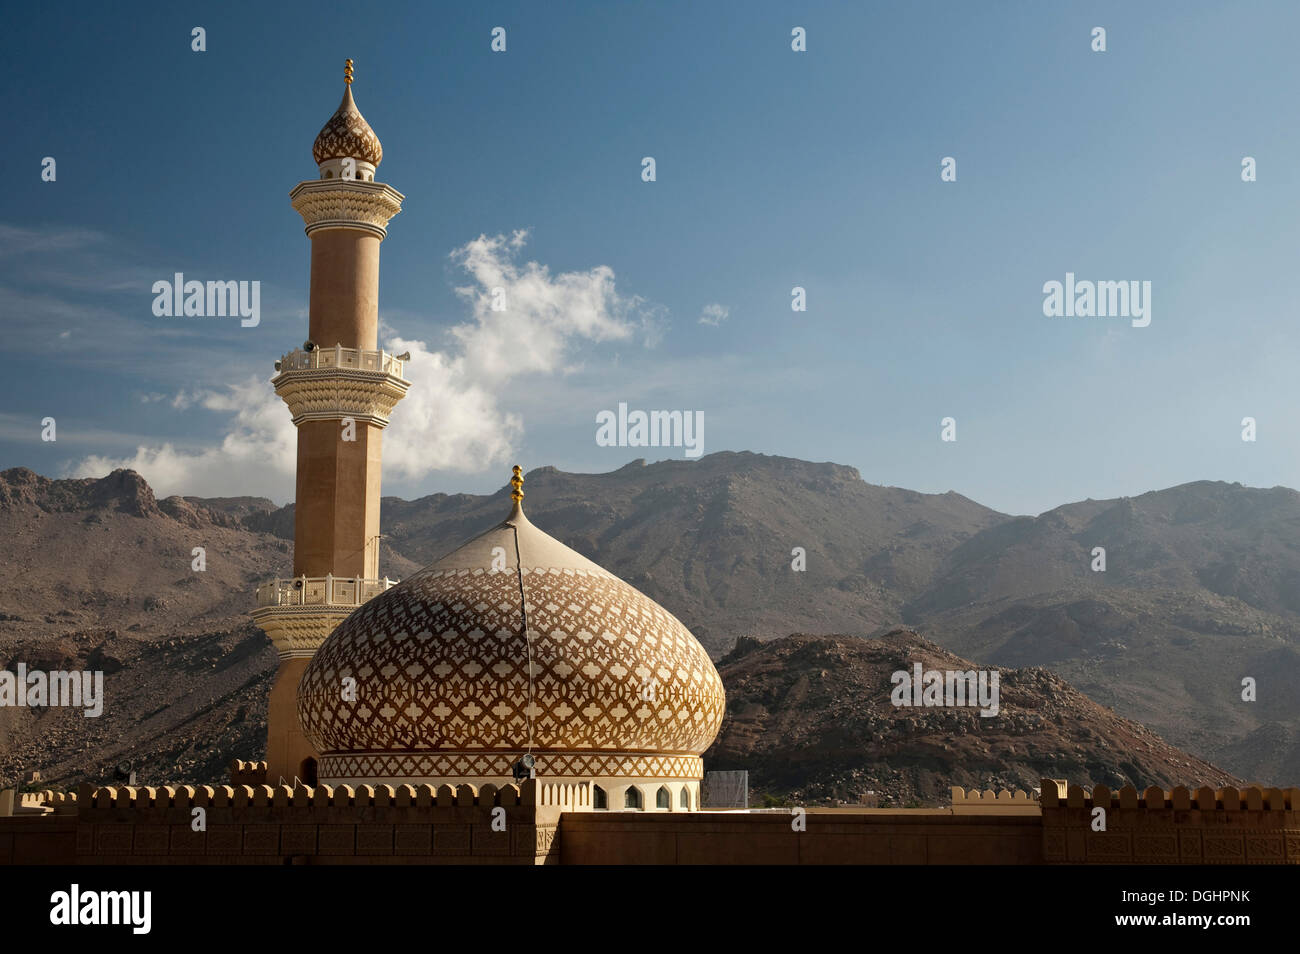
(261, 824)
(988, 802)
(45, 803)
(1207, 826)
(554, 822)
(247, 773)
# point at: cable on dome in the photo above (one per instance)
(523, 608)
(525, 764)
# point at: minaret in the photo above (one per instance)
(340, 390)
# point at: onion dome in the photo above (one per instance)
(347, 135)
(511, 644)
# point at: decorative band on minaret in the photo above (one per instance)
(341, 389)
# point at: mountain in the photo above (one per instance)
(712, 539)
(1201, 590)
(99, 575)
(811, 718)
(1198, 593)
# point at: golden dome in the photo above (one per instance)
(441, 662)
(347, 134)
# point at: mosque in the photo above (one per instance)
(513, 656)
(514, 702)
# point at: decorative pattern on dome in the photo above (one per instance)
(441, 666)
(485, 765)
(347, 134)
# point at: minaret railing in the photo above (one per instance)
(325, 590)
(351, 359)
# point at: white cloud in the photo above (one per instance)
(257, 455)
(714, 314)
(457, 415)
(447, 420)
(542, 314)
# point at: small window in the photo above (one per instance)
(329, 173)
(632, 798)
(663, 798)
(684, 801)
(598, 799)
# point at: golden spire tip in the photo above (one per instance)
(517, 484)
(347, 72)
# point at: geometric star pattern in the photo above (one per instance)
(347, 134)
(441, 666)
(487, 764)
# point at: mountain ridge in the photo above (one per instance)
(1197, 594)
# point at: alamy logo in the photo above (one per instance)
(934, 687)
(651, 429)
(38, 688)
(1085, 299)
(194, 299)
(75, 906)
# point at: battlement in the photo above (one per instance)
(543, 821)
(284, 800)
(1057, 795)
(47, 802)
(247, 773)
(1206, 826)
(320, 824)
(988, 802)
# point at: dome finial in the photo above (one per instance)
(517, 484)
(347, 72)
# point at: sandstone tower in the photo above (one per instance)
(341, 390)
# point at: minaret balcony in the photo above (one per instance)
(334, 383)
(321, 591)
(299, 614)
(338, 356)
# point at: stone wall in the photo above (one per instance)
(1207, 826)
(546, 822)
(245, 824)
(866, 837)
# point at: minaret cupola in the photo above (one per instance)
(347, 148)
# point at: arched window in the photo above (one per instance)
(307, 771)
(685, 799)
(632, 798)
(598, 799)
(664, 798)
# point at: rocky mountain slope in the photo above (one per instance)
(1199, 591)
(100, 575)
(812, 720)
(712, 539)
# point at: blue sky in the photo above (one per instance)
(774, 169)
